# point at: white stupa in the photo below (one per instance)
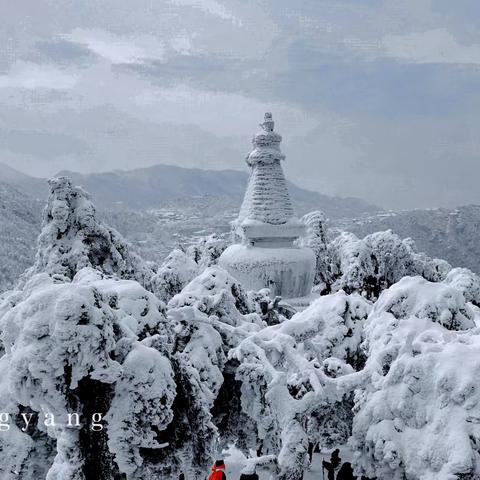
(266, 228)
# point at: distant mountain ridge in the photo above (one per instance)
(20, 218)
(155, 208)
(33, 186)
(150, 187)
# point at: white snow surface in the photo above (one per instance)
(418, 414)
(72, 238)
(288, 272)
(175, 272)
(389, 363)
(86, 326)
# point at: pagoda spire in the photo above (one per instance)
(267, 256)
(267, 210)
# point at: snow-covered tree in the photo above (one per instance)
(248, 464)
(351, 264)
(216, 312)
(271, 310)
(287, 373)
(206, 251)
(316, 239)
(72, 238)
(82, 336)
(175, 272)
(69, 348)
(467, 282)
(392, 259)
(417, 416)
(374, 263)
(432, 269)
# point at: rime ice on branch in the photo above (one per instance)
(73, 238)
(267, 226)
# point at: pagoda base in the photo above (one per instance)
(300, 304)
(287, 272)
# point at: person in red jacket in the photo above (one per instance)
(218, 471)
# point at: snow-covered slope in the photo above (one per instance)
(20, 218)
(32, 186)
(395, 376)
(449, 234)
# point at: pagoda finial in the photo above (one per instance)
(268, 123)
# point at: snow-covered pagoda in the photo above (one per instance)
(266, 229)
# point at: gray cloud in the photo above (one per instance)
(41, 144)
(62, 52)
(377, 99)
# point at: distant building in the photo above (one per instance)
(266, 228)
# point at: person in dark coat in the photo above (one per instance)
(311, 447)
(335, 459)
(346, 472)
(333, 464)
(249, 476)
(330, 470)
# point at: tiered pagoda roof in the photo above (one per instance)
(267, 211)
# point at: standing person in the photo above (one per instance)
(346, 472)
(249, 473)
(335, 459)
(311, 448)
(330, 470)
(333, 464)
(218, 471)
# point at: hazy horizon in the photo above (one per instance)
(377, 100)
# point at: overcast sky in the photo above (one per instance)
(376, 99)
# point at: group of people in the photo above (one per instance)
(334, 469)
(218, 473)
(343, 472)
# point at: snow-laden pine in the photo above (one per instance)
(180, 361)
(418, 415)
(82, 334)
(72, 237)
(283, 370)
(366, 265)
